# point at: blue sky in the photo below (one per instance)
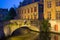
(9, 3)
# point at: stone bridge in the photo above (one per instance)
(15, 24)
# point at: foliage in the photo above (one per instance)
(45, 30)
(11, 14)
(45, 26)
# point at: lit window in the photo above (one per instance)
(28, 17)
(35, 9)
(57, 3)
(57, 15)
(28, 10)
(31, 10)
(25, 17)
(35, 15)
(49, 4)
(25, 10)
(31, 17)
(49, 15)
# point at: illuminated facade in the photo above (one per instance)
(52, 9)
(52, 12)
(42, 9)
(32, 11)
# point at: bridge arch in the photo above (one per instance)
(21, 31)
(27, 26)
(16, 24)
(10, 30)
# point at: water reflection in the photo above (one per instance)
(55, 37)
(45, 36)
(49, 36)
(41, 36)
(36, 36)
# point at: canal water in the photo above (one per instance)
(36, 36)
(55, 37)
(32, 35)
(49, 36)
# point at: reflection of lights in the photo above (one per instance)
(6, 31)
(56, 37)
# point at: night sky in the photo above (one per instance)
(9, 3)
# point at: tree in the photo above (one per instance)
(11, 14)
(45, 30)
(45, 26)
(20, 4)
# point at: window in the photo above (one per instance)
(25, 17)
(25, 10)
(31, 17)
(35, 15)
(35, 9)
(28, 10)
(49, 15)
(31, 10)
(57, 15)
(49, 4)
(57, 3)
(22, 11)
(28, 17)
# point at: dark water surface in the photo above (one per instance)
(35, 36)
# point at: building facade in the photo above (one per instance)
(32, 11)
(52, 9)
(42, 9)
(52, 12)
